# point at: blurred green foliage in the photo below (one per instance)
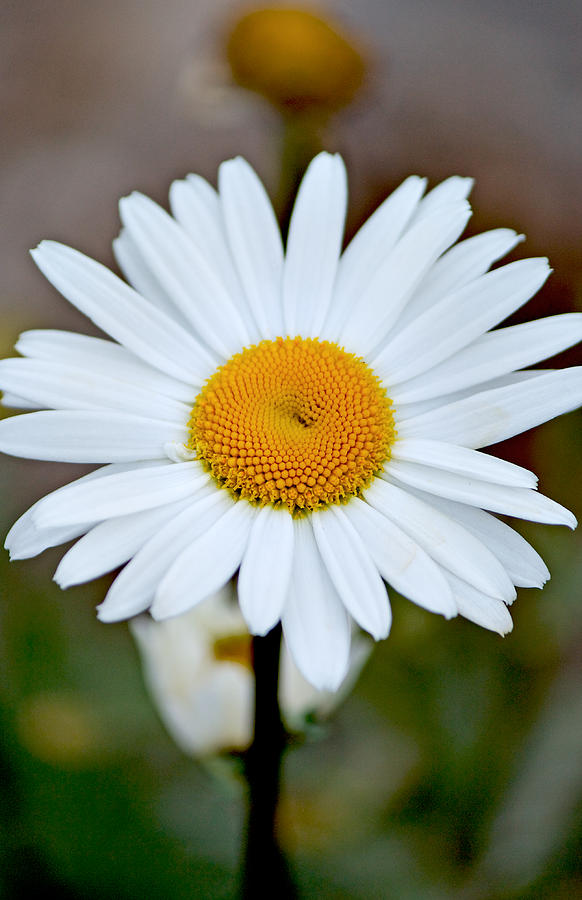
(454, 770)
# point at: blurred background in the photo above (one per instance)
(454, 770)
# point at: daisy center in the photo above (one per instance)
(233, 648)
(294, 421)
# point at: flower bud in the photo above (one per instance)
(295, 59)
(197, 667)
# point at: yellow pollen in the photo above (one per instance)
(295, 422)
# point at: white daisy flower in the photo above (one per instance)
(198, 669)
(306, 418)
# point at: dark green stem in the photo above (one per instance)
(265, 871)
(302, 140)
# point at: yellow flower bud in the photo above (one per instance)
(295, 59)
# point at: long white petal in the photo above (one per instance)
(134, 588)
(112, 543)
(451, 190)
(386, 293)
(93, 436)
(139, 275)
(522, 563)
(314, 245)
(522, 503)
(461, 264)
(263, 580)
(315, 623)
(483, 610)
(99, 357)
(255, 242)
(206, 564)
(494, 354)
(25, 540)
(442, 538)
(404, 411)
(368, 249)
(36, 541)
(462, 461)
(51, 385)
(184, 273)
(352, 571)
(458, 319)
(491, 416)
(121, 493)
(196, 206)
(400, 560)
(123, 313)
(13, 401)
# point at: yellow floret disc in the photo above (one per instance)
(294, 421)
(234, 648)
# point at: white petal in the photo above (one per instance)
(206, 564)
(444, 540)
(55, 386)
(110, 544)
(488, 612)
(121, 493)
(99, 357)
(491, 416)
(185, 275)
(458, 319)
(384, 296)
(25, 540)
(134, 588)
(461, 264)
(404, 411)
(368, 249)
(206, 705)
(314, 245)
(451, 190)
(510, 501)
(220, 712)
(299, 699)
(94, 436)
(352, 571)
(462, 461)
(123, 313)
(315, 623)
(13, 401)
(178, 453)
(400, 560)
(255, 242)
(195, 205)
(36, 541)
(494, 354)
(524, 566)
(263, 580)
(140, 276)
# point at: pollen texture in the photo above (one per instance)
(295, 421)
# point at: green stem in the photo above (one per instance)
(265, 868)
(302, 140)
